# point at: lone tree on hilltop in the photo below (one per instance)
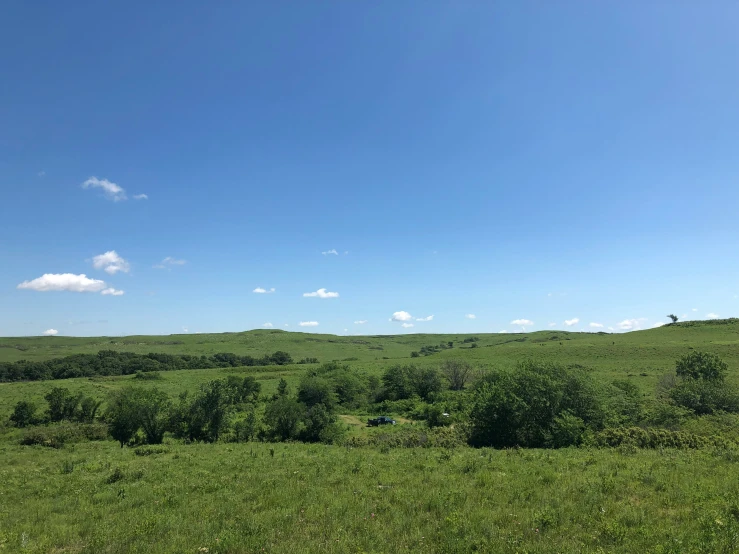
(673, 317)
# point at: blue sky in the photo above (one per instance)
(549, 164)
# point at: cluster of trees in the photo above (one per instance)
(110, 362)
(537, 404)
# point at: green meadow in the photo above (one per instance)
(365, 492)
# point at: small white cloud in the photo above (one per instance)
(111, 262)
(111, 190)
(308, 324)
(712, 316)
(346, 252)
(596, 325)
(268, 324)
(169, 262)
(552, 325)
(502, 331)
(427, 318)
(631, 324)
(346, 330)
(571, 322)
(401, 316)
(286, 325)
(111, 292)
(360, 322)
(184, 330)
(321, 293)
(471, 316)
(63, 282)
(611, 329)
(696, 309)
(140, 196)
(332, 251)
(658, 324)
(51, 332)
(522, 322)
(260, 290)
(407, 325)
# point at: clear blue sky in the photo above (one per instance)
(539, 161)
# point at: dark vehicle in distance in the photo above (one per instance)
(382, 420)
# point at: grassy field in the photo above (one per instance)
(294, 497)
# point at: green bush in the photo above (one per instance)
(57, 435)
(440, 437)
(24, 414)
(655, 438)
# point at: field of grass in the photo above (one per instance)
(294, 497)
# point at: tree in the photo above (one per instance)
(701, 365)
(457, 372)
(62, 404)
(211, 408)
(153, 410)
(24, 414)
(673, 317)
(317, 420)
(122, 415)
(282, 418)
(282, 388)
(316, 390)
(88, 409)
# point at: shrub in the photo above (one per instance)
(701, 365)
(24, 414)
(57, 435)
(457, 372)
(283, 417)
(655, 438)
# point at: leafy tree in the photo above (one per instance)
(211, 409)
(247, 429)
(534, 406)
(152, 411)
(24, 414)
(282, 417)
(88, 409)
(457, 372)
(123, 415)
(701, 365)
(317, 420)
(673, 317)
(426, 381)
(281, 358)
(62, 404)
(317, 390)
(282, 388)
(705, 396)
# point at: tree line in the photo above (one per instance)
(110, 362)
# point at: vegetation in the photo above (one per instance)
(569, 442)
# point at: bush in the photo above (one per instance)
(441, 437)
(57, 435)
(655, 438)
(702, 366)
(705, 396)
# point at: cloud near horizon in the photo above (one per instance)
(571, 322)
(631, 324)
(407, 325)
(522, 322)
(308, 324)
(268, 325)
(321, 293)
(50, 332)
(596, 325)
(427, 318)
(401, 316)
(111, 263)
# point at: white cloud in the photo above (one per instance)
(471, 316)
(712, 316)
(260, 290)
(112, 191)
(611, 329)
(571, 322)
(63, 281)
(696, 309)
(427, 318)
(502, 331)
(401, 316)
(522, 322)
(268, 324)
(321, 293)
(111, 262)
(140, 196)
(552, 325)
(658, 324)
(184, 330)
(332, 251)
(110, 291)
(51, 332)
(169, 262)
(631, 324)
(286, 325)
(308, 324)
(596, 325)
(360, 322)
(407, 325)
